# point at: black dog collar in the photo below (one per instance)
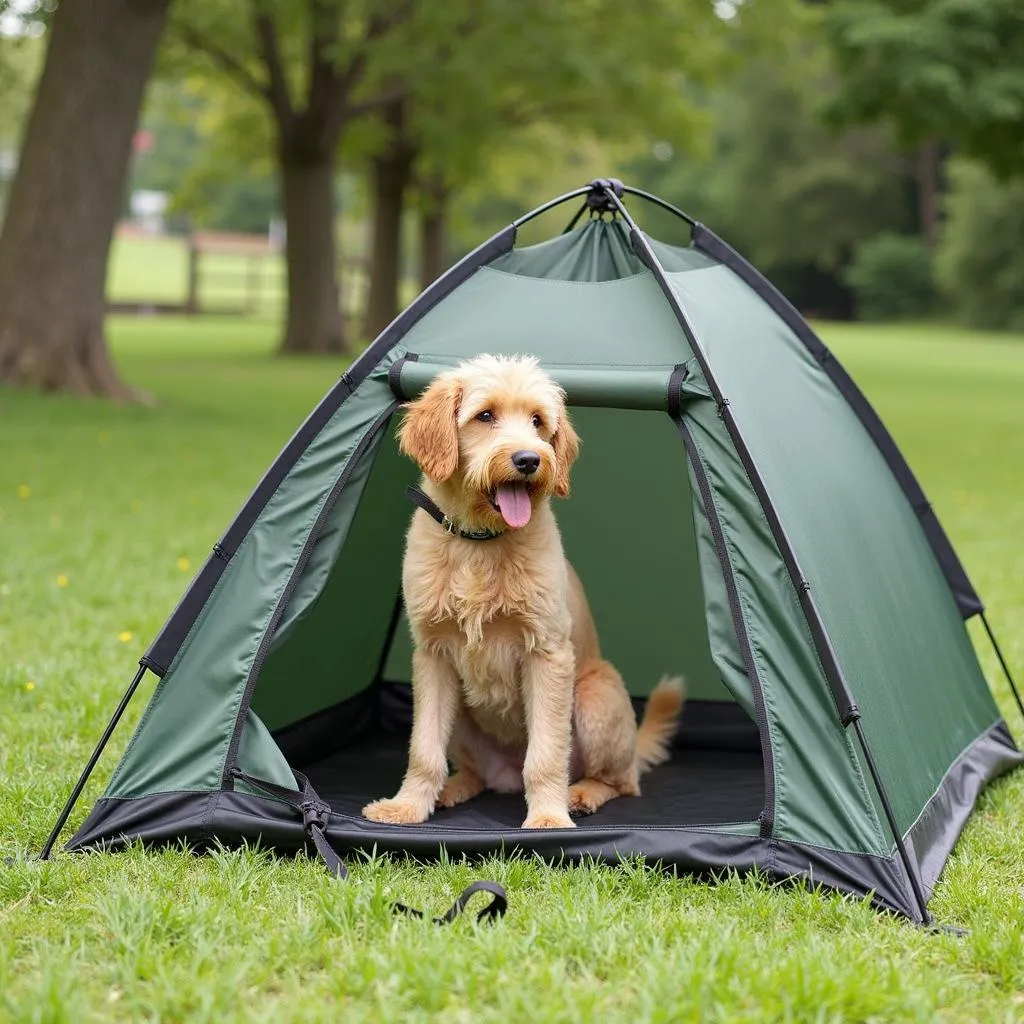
(423, 501)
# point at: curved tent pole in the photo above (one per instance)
(658, 201)
(845, 705)
(526, 217)
(69, 806)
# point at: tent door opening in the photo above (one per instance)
(335, 691)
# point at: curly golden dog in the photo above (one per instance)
(508, 679)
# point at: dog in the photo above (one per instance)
(507, 678)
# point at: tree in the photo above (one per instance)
(941, 72)
(471, 68)
(309, 65)
(792, 194)
(66, 195)
(587, 69)
(980, 257)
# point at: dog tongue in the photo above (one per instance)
(513, 501)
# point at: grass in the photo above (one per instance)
(104, 514)
(155, 270)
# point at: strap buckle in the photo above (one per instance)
(448, 524)
(314, 813)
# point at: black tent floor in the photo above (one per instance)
(696, 787)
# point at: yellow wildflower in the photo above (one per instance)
(183, 564)
(30, 685)
(124, 636)
(24, 491)
(62, 580)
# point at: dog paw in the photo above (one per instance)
(582, 800)
(395, 812)
(458, 791)
(549, 821)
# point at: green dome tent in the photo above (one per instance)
(739, 515)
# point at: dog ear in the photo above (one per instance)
(429, 433)
(566, 444)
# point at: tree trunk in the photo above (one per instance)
(67, 193)
(928, 191)
(391, 174)
(432, 234)
(315, 322)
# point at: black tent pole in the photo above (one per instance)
(584, 190)
(658, 201)
(62, 820)
(845, 705)
(575, 218)
(1002, 661)
(890, 817)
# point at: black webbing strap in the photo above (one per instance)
(495, 909)
(315, 816)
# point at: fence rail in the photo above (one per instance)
(208, 273)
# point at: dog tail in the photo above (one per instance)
(661, 716)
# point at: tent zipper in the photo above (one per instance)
(767, 816)
(227, 777)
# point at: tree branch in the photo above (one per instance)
(266, 36)
(224, 60)
(389, 94)
(323, 75)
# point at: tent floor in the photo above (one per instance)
(696, 787)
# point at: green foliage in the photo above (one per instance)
(21, 60)
(981, 255)
(951, 70)
(118, 495)
(892, 278)
(792, 195)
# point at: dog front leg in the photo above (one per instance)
(548, 679)
(436, 692)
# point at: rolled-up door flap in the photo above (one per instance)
(584, 386)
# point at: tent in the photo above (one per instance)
(761, 534)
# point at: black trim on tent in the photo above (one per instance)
(938, 826)
(234, 817)
(167, 643)
(964, 593)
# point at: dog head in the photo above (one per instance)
(495, 432)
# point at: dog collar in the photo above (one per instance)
(423, 501)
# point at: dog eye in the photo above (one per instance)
(486, 416)
(537, 421)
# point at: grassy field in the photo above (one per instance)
(155, 270)
(104, 514)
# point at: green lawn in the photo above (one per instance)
(155, 270)
(105, 512)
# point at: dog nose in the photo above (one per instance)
(526, 462)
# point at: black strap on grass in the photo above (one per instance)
(495, 909)
(422, 500)
(315, 816)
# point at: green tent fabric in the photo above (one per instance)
(763, 536)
